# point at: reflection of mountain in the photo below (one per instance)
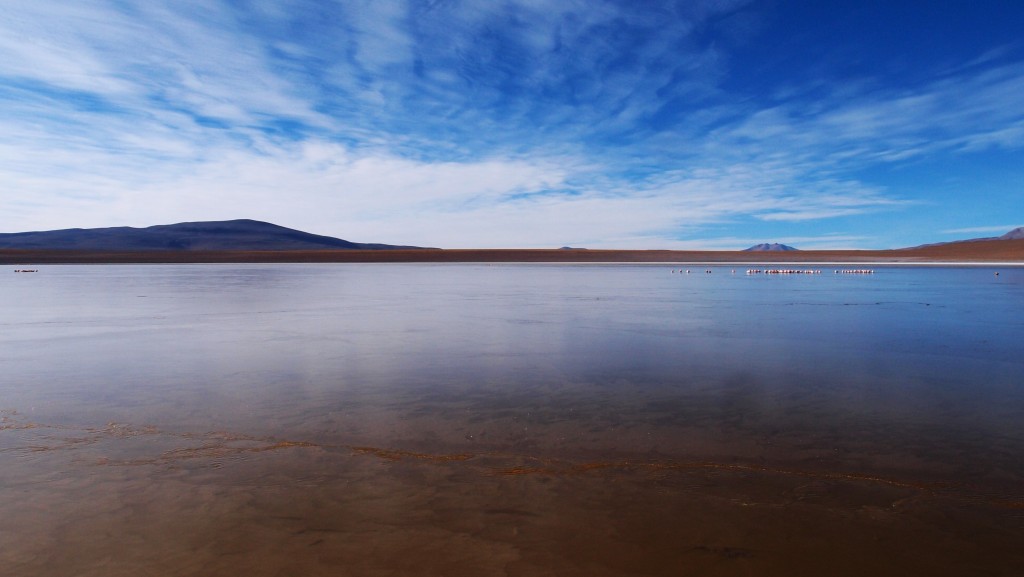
(765, 247)
(195, 236)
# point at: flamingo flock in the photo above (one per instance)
(785, 271)
(782, 271)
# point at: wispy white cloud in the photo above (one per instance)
(191, 57)
(1001, 229)
(968, 112)
(464, 123)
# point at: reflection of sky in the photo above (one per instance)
(252, 345)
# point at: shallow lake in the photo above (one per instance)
(511, 420)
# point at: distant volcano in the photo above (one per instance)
(228, 235)
(773, 247)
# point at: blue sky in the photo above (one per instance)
(519, 123)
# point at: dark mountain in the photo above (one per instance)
(241, 234)
(765, 247)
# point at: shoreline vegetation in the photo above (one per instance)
(994, 251)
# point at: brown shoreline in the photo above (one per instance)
(978, 251)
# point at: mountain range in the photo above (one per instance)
(224, 241)
(228, 235)
(1015, 234)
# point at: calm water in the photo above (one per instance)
(510, 420)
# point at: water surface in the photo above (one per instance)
(510, 420)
